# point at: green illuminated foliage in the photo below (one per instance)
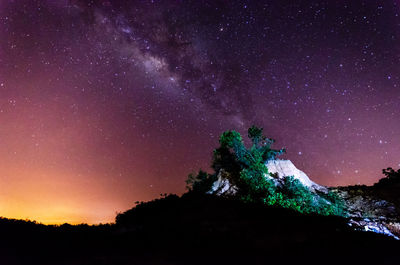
(246, 166)
(229, 139)
(299, 197)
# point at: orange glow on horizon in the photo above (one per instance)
(53, 170)
(47, 200)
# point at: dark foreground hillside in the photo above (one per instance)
(197, 230)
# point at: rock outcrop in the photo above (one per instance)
(222, 186)
(285, 168)
(278, 169)
(368, 211)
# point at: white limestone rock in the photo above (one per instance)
(285, 168)
(222, 186)
(369, 225)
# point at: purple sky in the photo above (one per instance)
(103, 103)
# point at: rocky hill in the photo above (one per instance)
(370, 208)
(207, 229)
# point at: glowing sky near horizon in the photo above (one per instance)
(104, 103)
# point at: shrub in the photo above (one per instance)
(200, 183)
(294, 195)
(392, 178)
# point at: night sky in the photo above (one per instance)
(104, 103)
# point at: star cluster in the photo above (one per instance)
(103, 103)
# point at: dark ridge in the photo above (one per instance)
(197, 229)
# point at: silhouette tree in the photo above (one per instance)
(392, 177)
(200, 183)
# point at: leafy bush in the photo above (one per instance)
(200, 183)
(302, 199)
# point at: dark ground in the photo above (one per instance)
(197, 230)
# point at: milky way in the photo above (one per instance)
(104, 103)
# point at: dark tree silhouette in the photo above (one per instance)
(392, 177)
